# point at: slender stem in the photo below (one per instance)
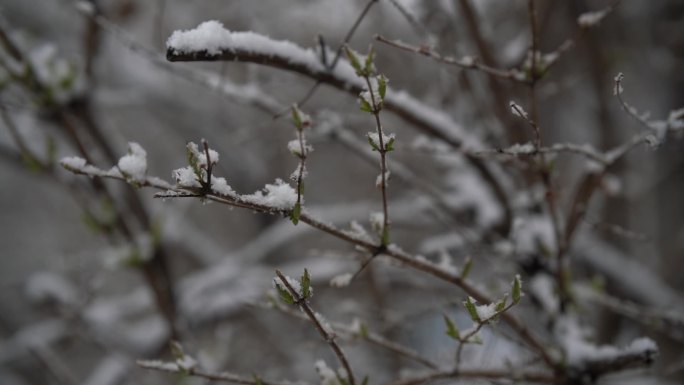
(223, 376)
(465, 62)
(338, 54)
(392, 251)
(328, 336)
(383, 162)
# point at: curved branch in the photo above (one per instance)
(253, 48)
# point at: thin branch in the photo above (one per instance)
(470, 63)
(367, 335)
(327, 335)
(392, 250)
(431, 121)
(171, 367)
(338, 53)
(491, 374)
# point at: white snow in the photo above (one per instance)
(73, 163)
(579, 350)
(378, 179)
(111, 370)
(324, 323)
(134, 165)
(293, 283)
(221, 187)
(617, 89)
(185, 177)
(186, 362)
(517, 110)
(446, 263)
(280, 196)
(375, 138)
(543, 288)
(328, 376)
(209, 36)
(377, 220)
(521, 149)
(158, 365)
(591, 19)
(485, 312)
(295, 147)
(341, 280)
(42, 286)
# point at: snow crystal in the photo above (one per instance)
(328, 376)
(295, 148)
(42, 286)
(543, 288)
(73, 163)
(485, 312)
(293, 283)
(520, 149)
(221, 187)
(357, 231)
(185, 177)
(377, 220)
(134, 164)
(617, 89)
(378, 179)
(186, 362)
(212, 37)
(341, 280)
(201, 155)
(111, 370)
(517, 110)
(579, 351)
(375, 138)
(676, 119)
(158, 365)
(279, 196)
(209, 36)
(591, 19)
(85, 7)
(356, 326)
(445, 263)
(324, 323)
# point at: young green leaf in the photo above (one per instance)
(369, 67)
(452, 330)
(365, 380)
(306, 284)
(285, 294)
(382, 86)
(353, 59)
(467, 267)
(257, 379)
(296, 117)
(516, 291)
(472, 309)
(389, 146)
(385, 236)
(364, 330)
(365, 106)
(295, 213)
(372, 143)
(501, 304)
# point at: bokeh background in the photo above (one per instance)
(72, 311)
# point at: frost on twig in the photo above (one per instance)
(596, 360)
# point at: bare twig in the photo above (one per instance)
(392, 251)
(366, 335)
(338, 54)
(327, 335)
(222, 376)
(467, 62)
